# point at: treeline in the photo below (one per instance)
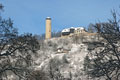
(53, 34)
(103, 61)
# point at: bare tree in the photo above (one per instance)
(54, 69)
(105, 59)
(38, 75)
(91, 28)
(78, 38)
(15, 50)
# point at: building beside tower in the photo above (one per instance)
(68, 32)
(48, 28)
(73, 31)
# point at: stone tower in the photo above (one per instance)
(48, 28)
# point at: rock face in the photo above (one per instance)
(62, 58)
(69, 63)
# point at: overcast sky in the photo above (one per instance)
(29, 15)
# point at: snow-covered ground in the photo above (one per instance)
(74, 57)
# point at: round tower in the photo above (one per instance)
(48, 28)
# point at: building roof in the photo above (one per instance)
(68, 29)
(48, 18)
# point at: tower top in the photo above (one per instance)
(48, 18)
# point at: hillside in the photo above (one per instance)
(62, 56)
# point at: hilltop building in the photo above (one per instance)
(73, 30)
